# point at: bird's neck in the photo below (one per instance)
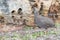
(36, 13)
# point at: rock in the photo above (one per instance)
(30, 21)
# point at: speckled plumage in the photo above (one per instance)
(42, 21)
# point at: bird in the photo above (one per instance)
(42, 21)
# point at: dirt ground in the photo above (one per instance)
(27, 33)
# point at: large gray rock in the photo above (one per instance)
(6, 6)
(9, 5)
